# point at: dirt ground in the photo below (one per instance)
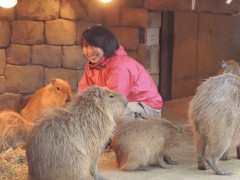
(184, 154)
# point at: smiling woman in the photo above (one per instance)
(110, 66)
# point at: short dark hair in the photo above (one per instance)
(101, 37)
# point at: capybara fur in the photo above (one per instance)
(67, 142)
(214, 115)
(230, 66)
(56, 94)
(138, 144)
(13, 130)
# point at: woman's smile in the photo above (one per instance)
(92, 53)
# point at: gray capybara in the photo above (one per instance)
(230, 66)
(140, 143)
(13, 130)
(55, 94)
(214, 115)
(67, 142)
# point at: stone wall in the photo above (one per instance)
(40, 40)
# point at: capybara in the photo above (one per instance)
(214, 115)
(140, 143)
(67, 142)
(13, 130)
(56, 94)
(230, 66)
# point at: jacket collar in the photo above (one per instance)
(101, 63)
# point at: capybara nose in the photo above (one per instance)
(68, 99)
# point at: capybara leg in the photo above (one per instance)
(212, 162)
(143, 168)
(238, 151)
(169, 160)
(162, 163)
(94, 171)
(214, 155)
(201, 147)
(225, 156)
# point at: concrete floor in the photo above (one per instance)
(184, 154)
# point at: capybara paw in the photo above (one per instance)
(98, 177)
(165, 166)
(238, 152)
(223, 172)
(169, 160)
(224, 158)
(143, 168)
(202, 166)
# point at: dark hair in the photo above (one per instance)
(101, 37)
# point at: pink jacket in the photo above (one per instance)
(124, 75)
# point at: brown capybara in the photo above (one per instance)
(67, 142)
(56, 94)
(140, 143)
(233, 67)
(214, 115)
(13, 130)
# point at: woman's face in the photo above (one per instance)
(92, 53)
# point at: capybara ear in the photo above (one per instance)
(224, 64)
(53, 80)
(97, 92)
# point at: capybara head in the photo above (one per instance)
(56, 94)
(230, 66)
(62, 90)
(105, 99)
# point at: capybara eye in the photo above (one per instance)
(111, 96)
(58, 88)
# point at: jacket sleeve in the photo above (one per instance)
(83, 83)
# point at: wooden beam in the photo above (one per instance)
(206, 6)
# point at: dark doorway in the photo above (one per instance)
(166, 53)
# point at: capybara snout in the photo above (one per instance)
(67, 142)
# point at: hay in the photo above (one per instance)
(107, 155)
(13, 165)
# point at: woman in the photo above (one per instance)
(109, 65)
